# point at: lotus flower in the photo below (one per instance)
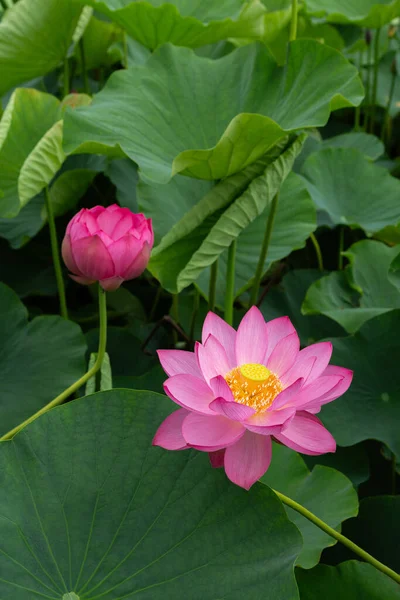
(239, 390)
(109, 245)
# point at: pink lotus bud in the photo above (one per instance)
(109, 245)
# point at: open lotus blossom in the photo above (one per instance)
(109, 245)
(239, 390)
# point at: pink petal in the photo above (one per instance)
(247, 460)
(139, 263)
(338, 390)
(223, 332)
(169, 434)
(78, 231)
(190, 392)
(232, 410)
(306, 434)
(179, 362)
(251, 338)
(277, 329)
(108, 219)
(301, 369)
(92, 258)
(270, 422)
(287, 395)
(68, 258)
(210, 433)
(123, 226)
(89, 218)
(221, 389)
(111, 284)
(124, 252)
(322, 352)
(284, 355)
(315, 390)
(217, 458)
(212, 359)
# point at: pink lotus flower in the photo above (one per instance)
(239, 390)
(109, 245)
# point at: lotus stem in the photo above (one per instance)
(385, 127)
(56, 255)
(317, 251)
(86, 86)
(212, 290)
(338, 536)
(82, 380)
(293, 22)
(264, 250)
(375, 80)
(341, 247)
(230, 283)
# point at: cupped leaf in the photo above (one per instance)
(34, 39)
(31, 153)
(184, 22)
(208, 229)
(90, 508)
(28, 116)
(286, 299)
(349, 580)
(352, 190)
(49, 351)
(366, 13)
(324, 491)
(360, 292)
(99, 41)
(389, 69)
(371, 407)
(159, 113)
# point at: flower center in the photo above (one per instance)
(254, 385)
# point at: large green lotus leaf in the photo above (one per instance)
(159, 113)
(39, 360)
(360, 292)
(34, 38)
(371, 407)
(28, 116)
(324, 491)
(90, 508)
(351, 580)
(99, 41)
(207, 230)
(352, 190)
(377, 529)
(286, 300)
(352, 461)
(185, 22)
(366, 13)
(294, 221)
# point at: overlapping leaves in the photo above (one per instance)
(159, 113)
(184, 22)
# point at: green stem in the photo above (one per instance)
(338, 536)
(341, 247)
(56, 255)
(82, 380)
(264, 250)
(230, 283)
(368, 87)
(317, 252)
(394, 474)
(196, 305)
(375, 81)
(175, 315)
(66, 77)
(386, 120)
(86, 86)
(293, 22)
(357, 115)
(155, 303)
(212, 290)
